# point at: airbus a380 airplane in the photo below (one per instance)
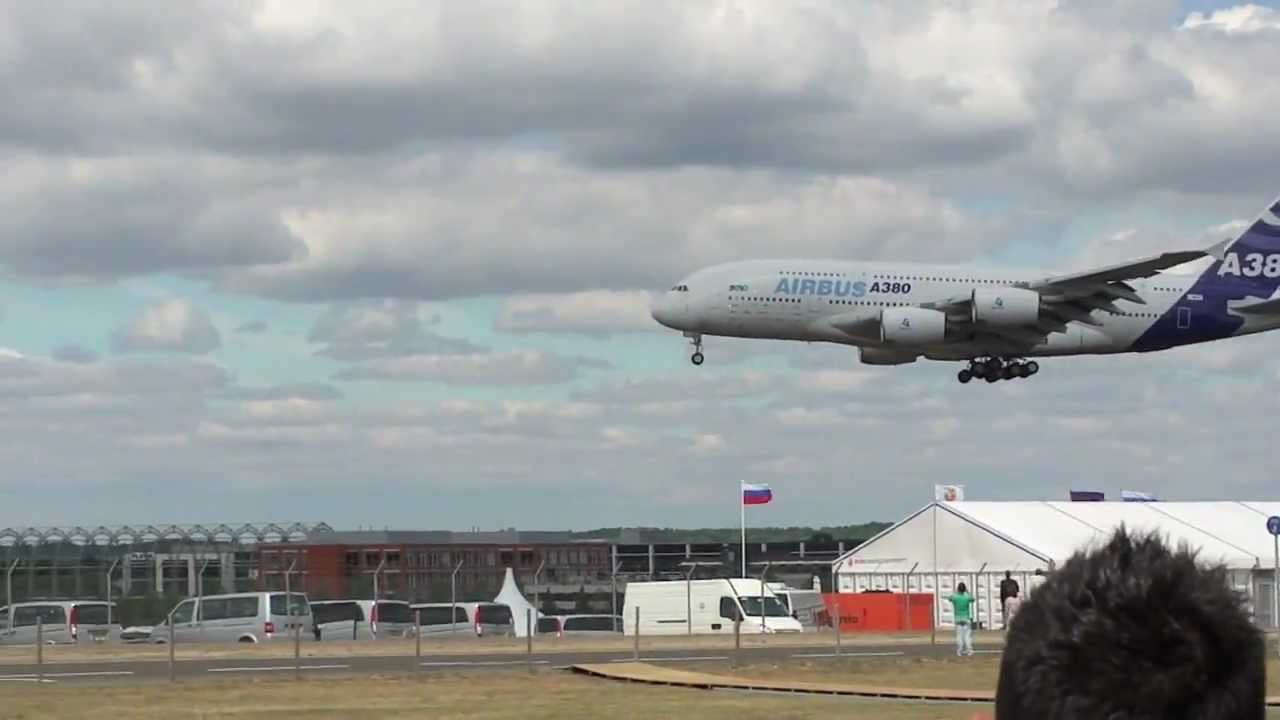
(993, 318)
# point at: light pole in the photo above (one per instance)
(288, 597)
(613, 592)
(763, 628)
(537, 578)
(373, 616)
(453, 598)
(110, 571)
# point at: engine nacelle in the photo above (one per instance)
(880, 356)
(912, 326)
(1005, 306)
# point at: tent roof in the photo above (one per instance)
(1233, 533)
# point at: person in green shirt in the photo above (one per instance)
(961, 605)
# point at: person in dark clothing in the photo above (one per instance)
(1008, 588)
(1133, 631)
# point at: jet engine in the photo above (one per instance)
(912, 326)
(1005, 306)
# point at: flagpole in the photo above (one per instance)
(742, 505)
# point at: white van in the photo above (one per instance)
(65, 621)
(481, 618)
(357, 619)
(807, 606)
(240, 617)
(665, 607)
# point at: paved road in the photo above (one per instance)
(189, 669)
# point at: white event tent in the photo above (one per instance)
(511, 596)
(977, 542)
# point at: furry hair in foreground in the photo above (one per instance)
(1133, 631)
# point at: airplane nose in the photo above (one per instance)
(663, 310)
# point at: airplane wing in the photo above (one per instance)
(1074, 297)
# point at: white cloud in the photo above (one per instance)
(593, 312)
(516, 367)
(842, 381)
(1248, 18)
(709, 444)
(174, 325)
(806, 417)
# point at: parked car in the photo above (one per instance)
(65, 622)
(136, 633)
(481, 618)
(443, 618)
(239, 617)
(561, 625)
(356, 619)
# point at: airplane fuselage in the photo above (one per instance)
(804, 300)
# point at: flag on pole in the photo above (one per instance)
(756, 494)
(1136, 496)
(1087, 496)
(948, 493)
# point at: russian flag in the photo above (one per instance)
(756, 494)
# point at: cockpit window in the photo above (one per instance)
(680, 288)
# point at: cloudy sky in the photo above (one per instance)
(388, 263)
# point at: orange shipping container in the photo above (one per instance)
(882, 612)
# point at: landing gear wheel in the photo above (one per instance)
(697, 348)
(1008, 372)
(994, 377)
(1033, 367)
(964, 376)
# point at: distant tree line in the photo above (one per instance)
(732, 535)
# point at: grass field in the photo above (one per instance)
(283, 647)
(499, 696)
(976, 673)
(513, 695)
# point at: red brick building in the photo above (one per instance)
(418, 566)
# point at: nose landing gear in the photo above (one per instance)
(995, 369)
(698, 357)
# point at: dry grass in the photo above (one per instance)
(460, 646)
(499, 696)
(513, 695)
(976, 673)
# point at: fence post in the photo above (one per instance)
(297, 650)
(417, 638)
(172, 643)
(835, 621)
(635, 654)
(737, 638)
(39, 649)
(528, 624)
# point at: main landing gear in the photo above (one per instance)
(697, 349)
(994, 369)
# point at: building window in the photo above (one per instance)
(371, 559)
(393, 558)
(353, 559)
